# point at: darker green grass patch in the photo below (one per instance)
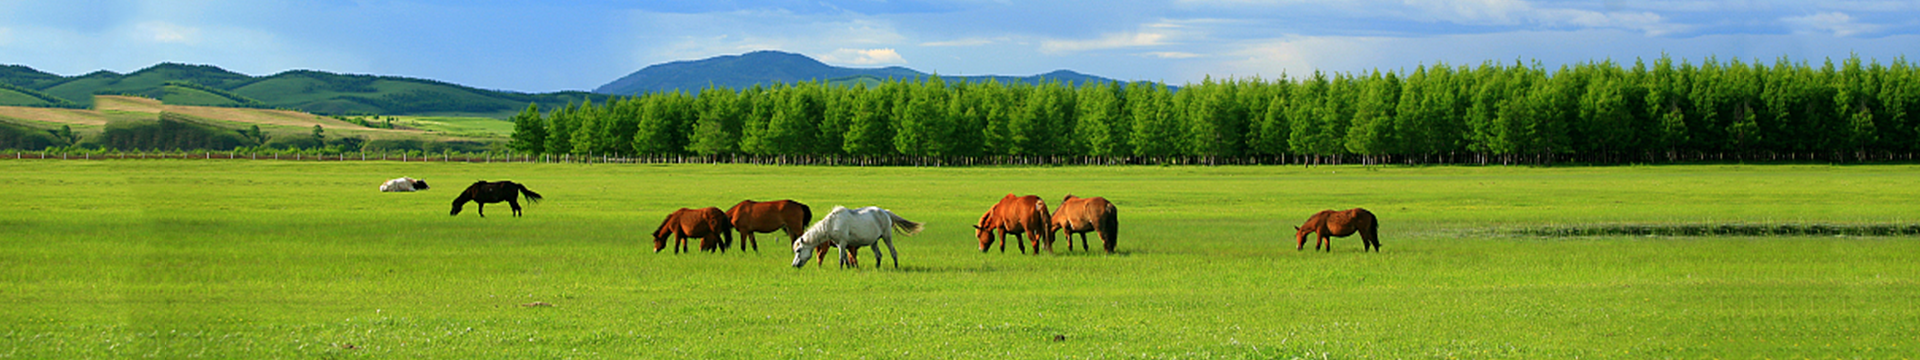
(1728, 229)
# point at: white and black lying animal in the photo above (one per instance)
(403, 185)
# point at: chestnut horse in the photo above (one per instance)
(751, 217)
(1080, 215)
(709, 224)
(1340, 224)
(493, 192)
(1015, 215)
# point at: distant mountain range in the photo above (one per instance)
(768, 67)
(305, 90)
(337, 94)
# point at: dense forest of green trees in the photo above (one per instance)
(1662, 110)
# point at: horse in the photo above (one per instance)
(1340, 224)
(493, 192)
(1081, 215)
(866, 226)
(403, 184)
(751, 217)
(1015, 215)
(709, 224)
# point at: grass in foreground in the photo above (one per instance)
(229, 259)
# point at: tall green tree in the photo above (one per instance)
(529, 131)
(870, 133)
(1155, 130)
(716, 131)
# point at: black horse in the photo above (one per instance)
(493, 192)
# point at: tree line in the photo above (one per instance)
(1600, 111)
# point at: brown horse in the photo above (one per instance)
(1015, 215)
(751, 217)
(493, 192)
(1340, 224)
(1080, 215)
(709, 224)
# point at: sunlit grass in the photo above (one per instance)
(239, 259)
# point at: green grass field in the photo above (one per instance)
(262, 259)
(472, 127)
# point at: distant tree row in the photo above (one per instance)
(1599, 111)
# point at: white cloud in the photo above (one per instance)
(166, 33)
(6, 36)
(1170, 55)
(1836, 23)
(1156, 34)
(961, 42)
(1516, 12)
(863, 57)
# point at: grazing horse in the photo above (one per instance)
(493, 192)
(1340, 224)
(1081, 215)
(751, 217)
(403, 184)
(847, 229)
(1015, 215)
(709, 224)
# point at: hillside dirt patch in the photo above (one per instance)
(108, 108)
(63, 116)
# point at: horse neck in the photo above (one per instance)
(817, 234)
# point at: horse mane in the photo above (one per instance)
(663, 231)
(819, 228)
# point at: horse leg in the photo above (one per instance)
(1003, 239)
(515, 204)
(1083, 243)
(482, 210)
(890, 251)
(843, 256)
(1021, 242)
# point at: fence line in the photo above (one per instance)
(1002, 160)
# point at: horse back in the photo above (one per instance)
(1020, 214)
(1081, 214)
(1363, 219)
(700, 222)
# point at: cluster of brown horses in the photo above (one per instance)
(715, 228)
(1028, 215)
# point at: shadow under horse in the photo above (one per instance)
(485, 193)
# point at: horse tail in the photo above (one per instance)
(531, 196)
(806, 213)
(908, 226)
(1111, 222)
(1046, 222)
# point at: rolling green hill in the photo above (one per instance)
(304, 90)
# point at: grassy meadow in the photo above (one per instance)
(266, 259)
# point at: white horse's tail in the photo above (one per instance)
(908, 226)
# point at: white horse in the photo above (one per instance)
(846, 228)
(403, 184)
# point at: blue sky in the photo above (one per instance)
(579, 45)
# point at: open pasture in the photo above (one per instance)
(264, 259)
